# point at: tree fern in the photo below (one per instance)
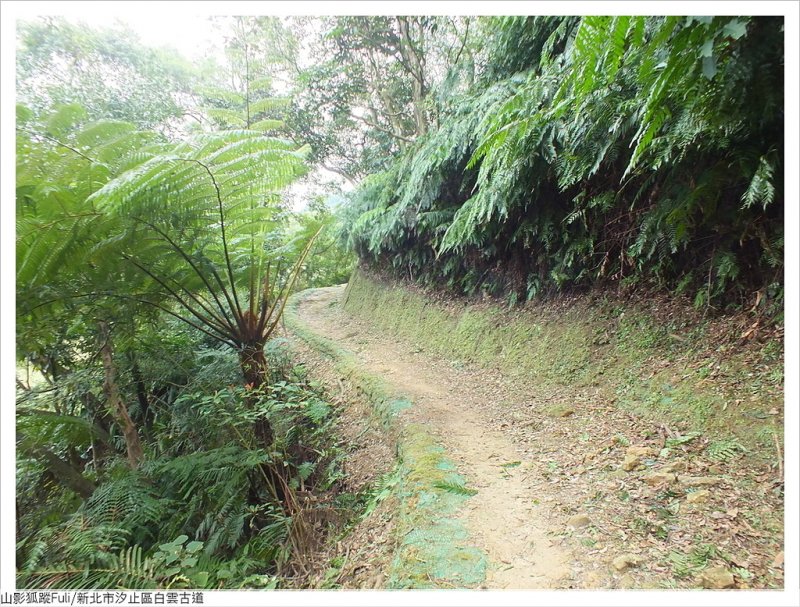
(609, 104)
(190, 219)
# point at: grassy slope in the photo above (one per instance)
(657, 359)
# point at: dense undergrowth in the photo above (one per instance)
(596, 150)
(209, 507)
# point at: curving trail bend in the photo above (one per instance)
(505, 518)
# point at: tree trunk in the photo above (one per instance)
(62, 471)
(102, 420)
(414, 62)
(254, 368)
(141, 394)
(114, 401)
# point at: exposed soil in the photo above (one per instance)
(555, 506)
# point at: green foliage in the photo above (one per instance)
(600, 150)
(376, 83)
(239, 94)
(381, 489)
(519, 44)
(188, 229)
(176, 564)
(108, 71)
(689, 564)
(510, 155)
(724, 450)
(682, 439)
(455, 487)
(118, 225)
(205, 480)
(330, 261)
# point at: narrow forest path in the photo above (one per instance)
(503, 517)
(557, 506)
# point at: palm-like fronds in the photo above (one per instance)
(655, 116)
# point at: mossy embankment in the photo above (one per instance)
(657, 358)
(432, 547)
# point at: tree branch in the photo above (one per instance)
(463, 42)
(57, 142)
(382, 129)
(338, 171)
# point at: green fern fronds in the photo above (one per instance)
(724, 450)
(455, 487)
(682, 439)
(686, 564)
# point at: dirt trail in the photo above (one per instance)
(574, 491)
(503, 518)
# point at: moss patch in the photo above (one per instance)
(434, 550)
(677, 370)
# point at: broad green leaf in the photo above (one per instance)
(735, 29)
(194, 546)
(709, 67)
